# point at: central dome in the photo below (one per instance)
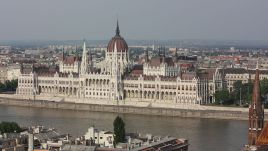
(120, 42)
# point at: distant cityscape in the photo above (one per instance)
(162, 76)
(185, 75)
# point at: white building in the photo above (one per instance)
(70, 64)
(115, 80)
(231, 75)
(3, 73)
(13, 72)
(161, 66)
(103, 138)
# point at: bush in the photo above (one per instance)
(9, 127)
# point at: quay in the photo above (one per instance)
(128, 107)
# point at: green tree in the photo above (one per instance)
(9, 127)
(264, 86)
(119, 130)
(238, 86)
(9, 86)
(222, 96)
(247, 92)
(2, 87)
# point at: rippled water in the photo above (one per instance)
(203, 134)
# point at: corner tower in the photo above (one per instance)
(256, 112)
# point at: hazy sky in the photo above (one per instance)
(138, 19)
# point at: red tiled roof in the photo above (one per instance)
(156, 61)
(186, 65)
(120, 44)
(263, 138)
(70, 59)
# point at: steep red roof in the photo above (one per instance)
(119, 41)
(70, 59)
(263, 138)
(121, 44)
(156, 61)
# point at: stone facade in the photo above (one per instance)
(231, 75)
(114, 81)
(13, 72)
(3, 73)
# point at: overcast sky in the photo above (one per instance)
(138, 19)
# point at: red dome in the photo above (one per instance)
(120, 42)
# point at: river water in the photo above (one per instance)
(203, 134)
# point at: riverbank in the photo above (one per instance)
(134, 107)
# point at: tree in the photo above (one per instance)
(247, 94)
(9, 86)
(119, 130)
(237, 89)
(9, 127)
(222, 96)
(2, 87)
(264, 86)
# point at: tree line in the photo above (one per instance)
(241, 93)
(9, 86)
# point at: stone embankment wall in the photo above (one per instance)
(219, 114)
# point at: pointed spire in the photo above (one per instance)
(159, 51)
(147, 54)
(175, 57)
(257, 65)
(256, 111)
(117, 31)
(63, 53)
(164, 53)
(256, 99)
(84, 63)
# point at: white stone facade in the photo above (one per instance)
(162, 70)
(13, 72)
(113, 81)
(103, 138)
(69, 68)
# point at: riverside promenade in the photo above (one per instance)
(128, 107)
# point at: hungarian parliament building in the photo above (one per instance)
(158, 79)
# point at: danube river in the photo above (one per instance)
(203, 134)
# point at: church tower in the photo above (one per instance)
(256, 112)
(84, 63)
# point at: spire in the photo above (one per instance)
(63, 53)
(117, 31)
(256, 98)
(84, 62)
(175, 57)
(257, 65)
(159, 51)
(256, 90)
(164, 53)
(256, 111)
(147, 54)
